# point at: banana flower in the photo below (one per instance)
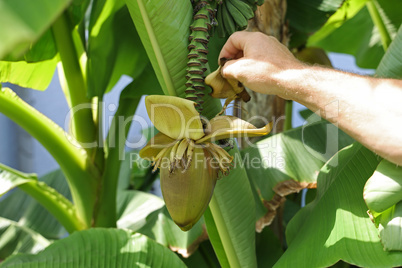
(184, 150)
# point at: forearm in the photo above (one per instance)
(368, 109)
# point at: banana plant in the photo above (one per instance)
(95, 210)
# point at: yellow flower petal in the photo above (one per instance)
(224, 127)
(155, 145)
(174, 117)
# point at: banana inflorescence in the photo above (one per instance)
(229, 16)
(198, 50)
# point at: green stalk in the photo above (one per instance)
(288, 115)
(73, 161)
(59, 206)
(83, 125)
(62, 210)
(105, 215)
(223, 233)
(379, 23)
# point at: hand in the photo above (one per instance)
(259, 62)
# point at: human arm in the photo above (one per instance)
(368, 109)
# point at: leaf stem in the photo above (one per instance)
(83, 125)
(105, 214)
(73, 160)
(223, 233)
(379, 23)
(59, 206)
(288, 115)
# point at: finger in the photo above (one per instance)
(230, 69)
(234, 45)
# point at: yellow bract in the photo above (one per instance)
(174, 117)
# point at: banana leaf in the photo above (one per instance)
(335, 226)
(100, 247)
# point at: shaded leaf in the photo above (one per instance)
(147, 214)
(347, 11)
(17, 238)
(96, 247)
(26, 22)
(307, 17)
(360, 37)
(335, 226)
(20, 207)
(112, 39)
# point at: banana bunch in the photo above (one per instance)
(198, 50)
(233, 15)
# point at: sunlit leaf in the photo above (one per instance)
(98, 247)
(35, 75)
(18, 206)
(382, 193)
(288, 162)
(17, 238)
(335, 226)
(24, 22)
(391, 64)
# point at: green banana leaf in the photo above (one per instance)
(383, 196)
(306, 17)
(382, 191)
(9, 179)
(48, 197)
(36, 75)
(100, 247)
(146, 214)
(287, 162)
(391, 64)
(18, 206)
(163, 27)
(114, 47)
(17, 238)
(335, 226)
(24, 22)
(360, 37)
(165, 38)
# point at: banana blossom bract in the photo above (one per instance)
(190, 162)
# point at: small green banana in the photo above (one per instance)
(244, 8)
(237, 16)
(221, 29)
(229, 23)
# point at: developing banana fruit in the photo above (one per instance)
(233, 15)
